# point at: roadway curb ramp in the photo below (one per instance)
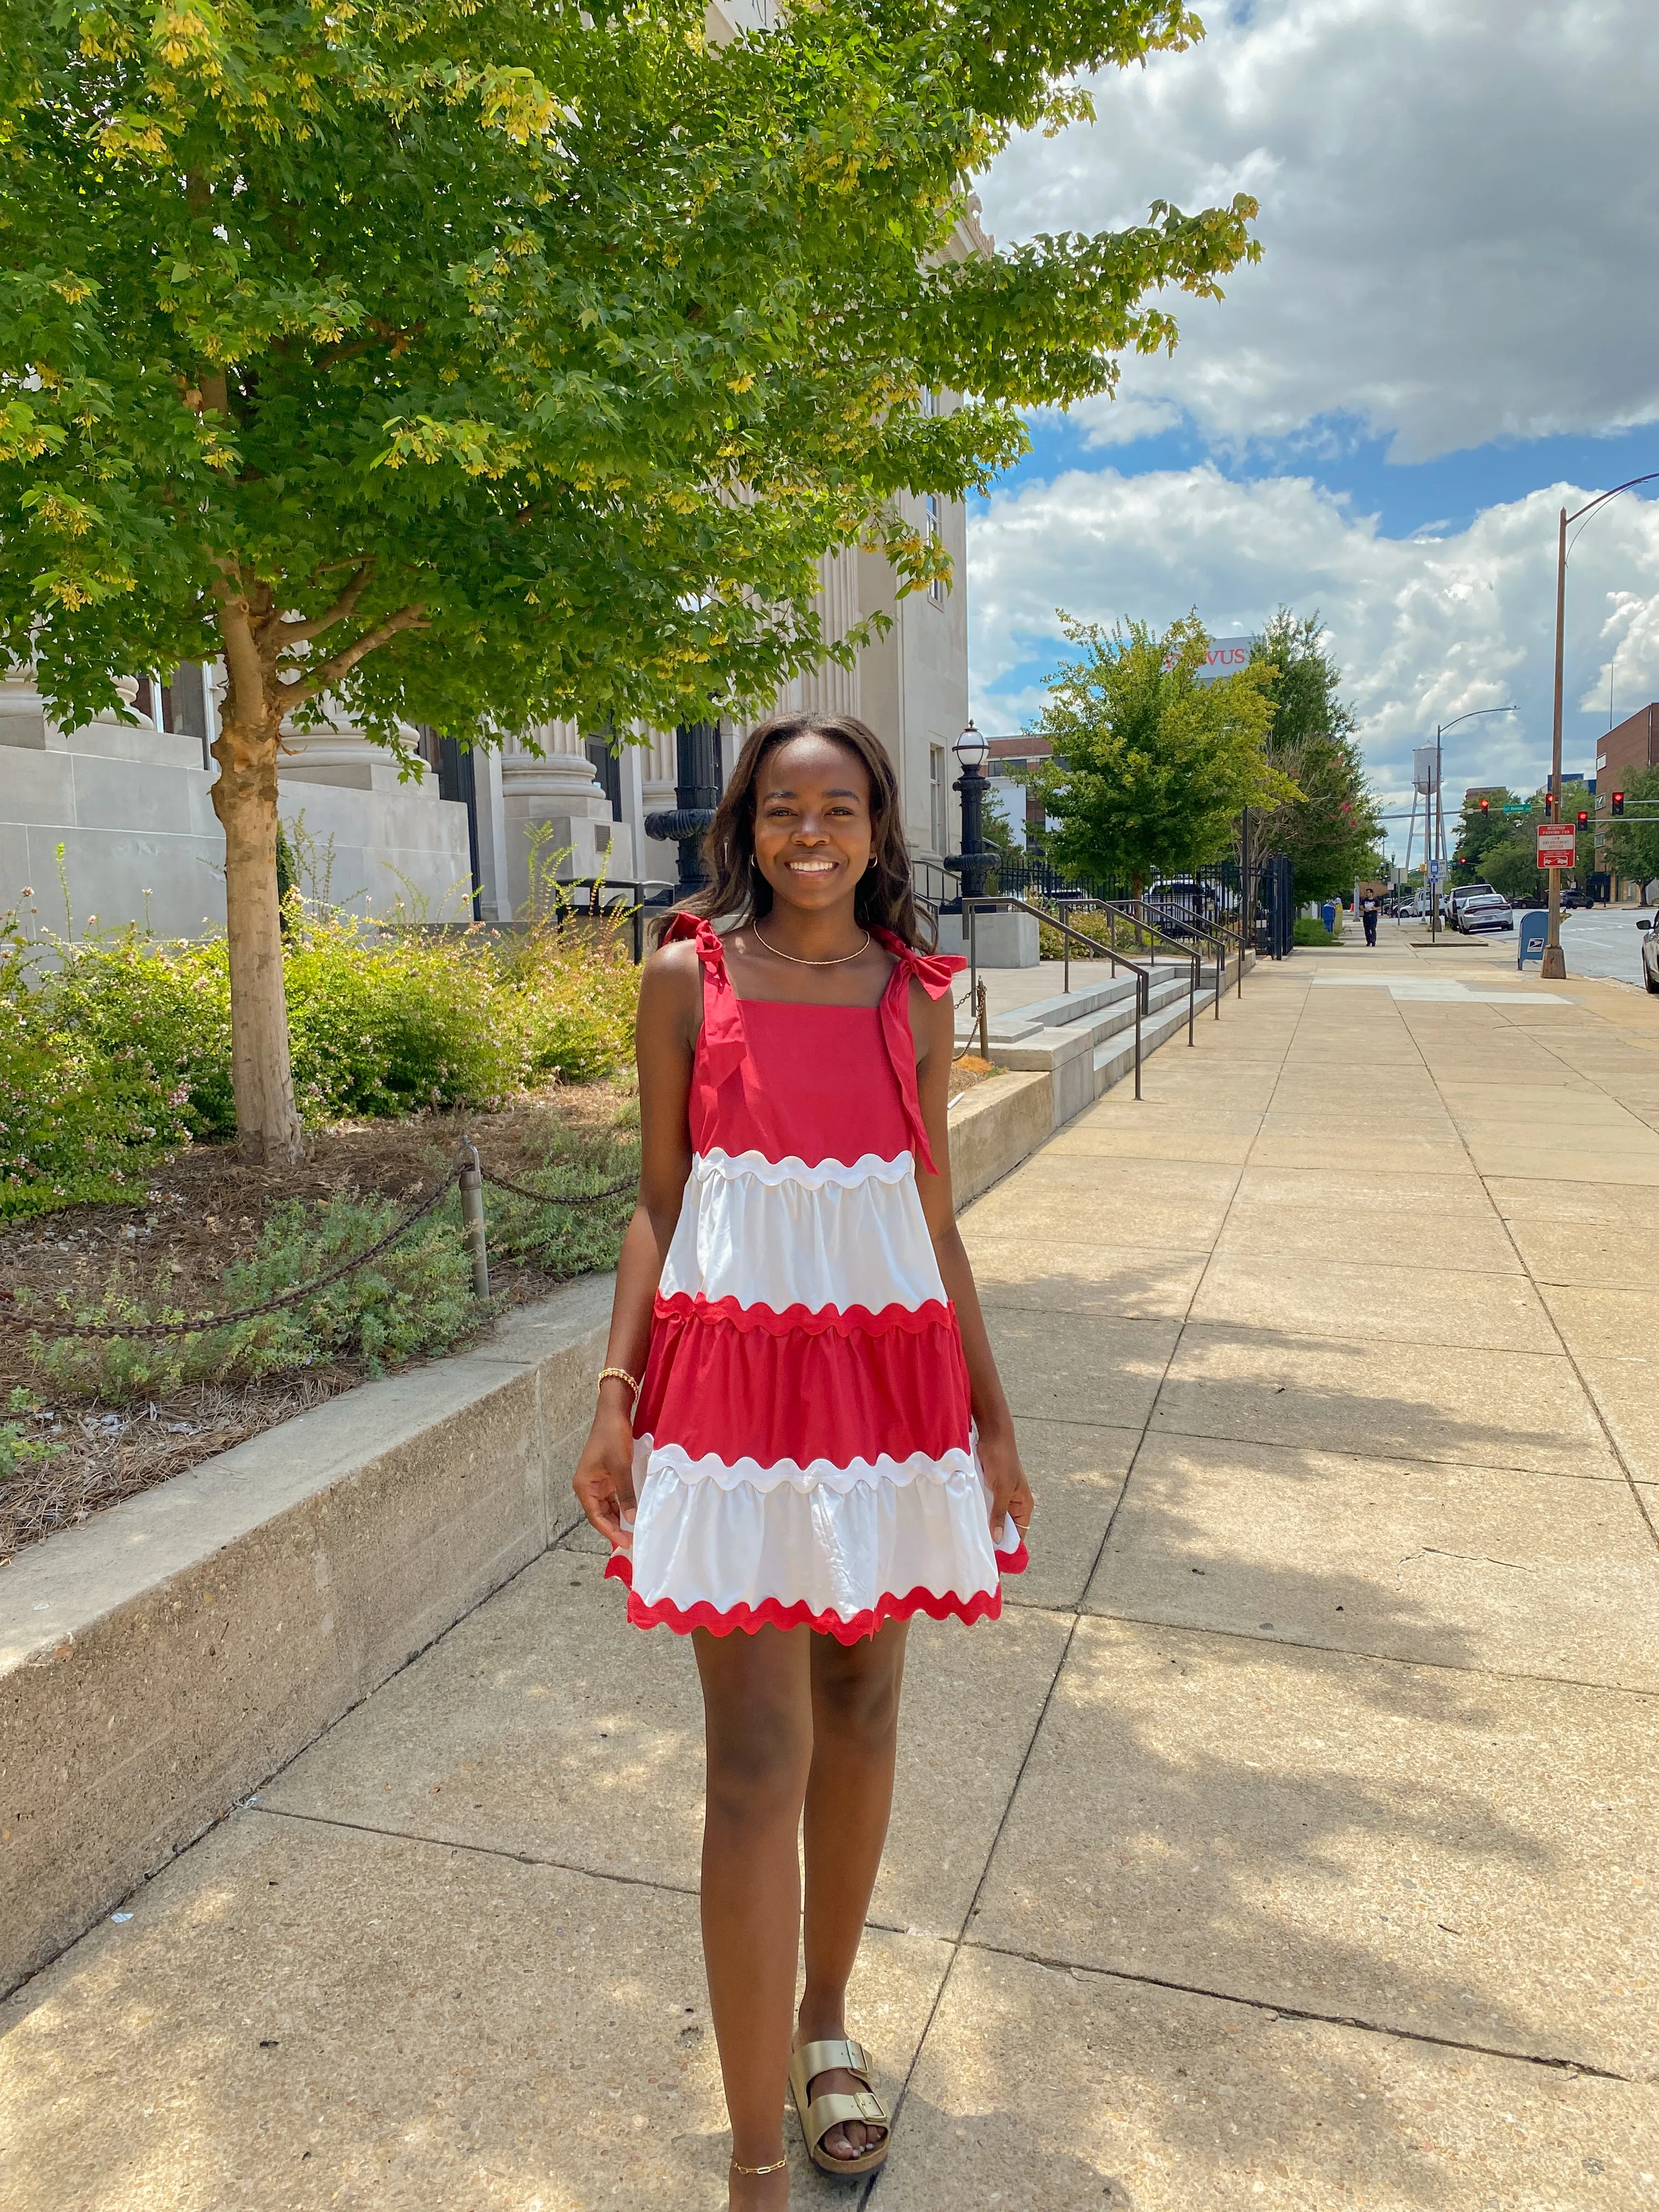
(160, 1663)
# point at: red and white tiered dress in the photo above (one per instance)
(804, 1452)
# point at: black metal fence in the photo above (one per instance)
(1196, 899)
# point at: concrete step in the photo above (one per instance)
(1115, 1058)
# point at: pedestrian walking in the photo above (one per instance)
(1370, 906)
(801, 1440)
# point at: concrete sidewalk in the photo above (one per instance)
(1290, 1841)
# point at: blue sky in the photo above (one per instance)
(1454, 328)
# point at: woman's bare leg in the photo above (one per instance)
(757, 1707)
(849, 1796)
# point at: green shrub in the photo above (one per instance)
(168, 1001)
(416, 1298)
(115, 1050)
(1308, 931)
(385, 1025)
(573, 998)
(80, 1121)
(572, 1240)
(20, 1452)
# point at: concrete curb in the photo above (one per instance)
(994, 1127)
(159, 1663)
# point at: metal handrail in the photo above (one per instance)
(1216, 936)
(998, 900)
(1123, 907)
(594, 907)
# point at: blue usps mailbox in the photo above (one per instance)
(1530, 937)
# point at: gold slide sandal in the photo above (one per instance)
(806, 2062)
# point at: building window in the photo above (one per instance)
(936, 795)
(930, 403)
(936, 589)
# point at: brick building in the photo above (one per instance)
(1628, 748)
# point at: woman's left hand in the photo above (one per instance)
(1011, 1493)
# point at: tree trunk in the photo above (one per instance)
(244, 799)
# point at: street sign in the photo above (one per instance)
(1434, 871)
(1517, 810)
(1557, 844)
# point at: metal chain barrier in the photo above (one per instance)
(548, 1198)
(975, 995)
(51, 1325)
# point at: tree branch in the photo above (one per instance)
(295, 690)
(297, 633)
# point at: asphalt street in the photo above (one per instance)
(1603, 942)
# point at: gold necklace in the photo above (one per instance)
(840, 960)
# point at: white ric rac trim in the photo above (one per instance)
(781, 1244)
(957, 1465)
(696, 1543)
(870, 1167)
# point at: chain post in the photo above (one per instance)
(984, 1018)
(472, 1217)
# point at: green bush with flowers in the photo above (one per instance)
(115, 1050)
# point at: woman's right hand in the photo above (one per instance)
(604, 1481)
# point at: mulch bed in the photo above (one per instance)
(203, 1210)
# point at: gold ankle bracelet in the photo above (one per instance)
(776, 2166)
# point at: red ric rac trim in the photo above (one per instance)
(807, 1320)
(983, 1604)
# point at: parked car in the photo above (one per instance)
(1460, 895)
(1180, 904)
(1649, 927)
(1490, 911)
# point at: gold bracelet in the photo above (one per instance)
(777, 2166)
(620, 1375)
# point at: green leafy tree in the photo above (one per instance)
(1634, 846)
(1150, 766)
(1331, 831)
(479, 362)
(1512, 864)
(1479, 835)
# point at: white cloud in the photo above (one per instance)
(1423, 628)
(1459, 201)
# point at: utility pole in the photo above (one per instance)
(1554, 963)
(1438, 865)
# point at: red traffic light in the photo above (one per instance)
(1617, 802)
(1485, 806)
(1584, 817)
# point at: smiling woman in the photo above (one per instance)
(801, 1440)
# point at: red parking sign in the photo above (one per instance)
(1557, 844)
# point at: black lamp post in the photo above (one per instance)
(696, 794)
(975, 859)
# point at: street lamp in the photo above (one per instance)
(973, 860)
(1554, 963)
(1441, 729)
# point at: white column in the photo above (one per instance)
(495, 900)
(631, 764)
